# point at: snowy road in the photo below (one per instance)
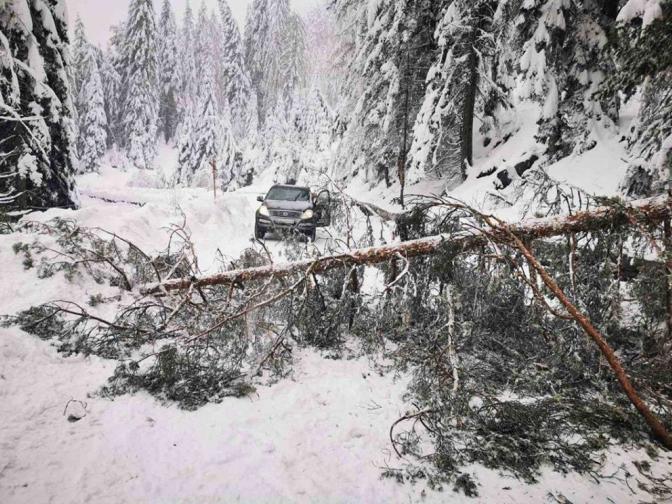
(319, 436)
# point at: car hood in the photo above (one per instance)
(288, 205)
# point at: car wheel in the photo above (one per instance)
(259, 232)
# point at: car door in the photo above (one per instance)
(323, 209)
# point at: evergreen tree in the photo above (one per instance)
(79, 52)
(274, 54)
(293, 58)
(235, 81)
(644, 68)
(210, 140)
(111, 82)
(385, 86)
(168, 78)
(140, 72)
(37, 153)
(114, 86)
(93, 121)
(443, 132)
(312, 122)
(564, 60)
(188, 97)
(203, 46)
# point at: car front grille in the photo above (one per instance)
(286, 214)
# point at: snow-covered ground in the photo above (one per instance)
(319, 436)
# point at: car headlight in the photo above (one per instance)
(308, 214)
(264, 211)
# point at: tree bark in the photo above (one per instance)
(667, 231)
(467, 133)
(652, 210)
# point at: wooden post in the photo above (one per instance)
(214, 178)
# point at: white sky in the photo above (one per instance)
(100, 15)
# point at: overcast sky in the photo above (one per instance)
(99, 15)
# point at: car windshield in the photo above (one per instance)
(288, 194)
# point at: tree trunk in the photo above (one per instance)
(668, 278)
(467, 133)
(404, 144)
(610, 9)
(653, 210)
(651, 419)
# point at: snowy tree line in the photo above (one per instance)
(422, 75)
(216, 94)
(413, 84)
(201, 85)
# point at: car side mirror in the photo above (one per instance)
(260, 199)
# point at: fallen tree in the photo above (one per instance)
(654, 423)
(489, 231)
(647, 211)
(479, 288)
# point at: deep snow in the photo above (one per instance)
(319, 436)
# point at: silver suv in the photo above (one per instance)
(288, 208)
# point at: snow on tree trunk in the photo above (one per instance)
(443, 133)
(385, 84)
(563, 64)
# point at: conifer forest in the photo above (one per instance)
(336, 251)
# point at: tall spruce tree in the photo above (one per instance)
(203, 47)
(444, 129)
(92, 141)
(169, 76)
(140, 72)
(79, 52)
(644, 69)
(114, 86)
(293, 57)
(37, 142)
(274, 54)
(210, 134)
(188, 97)
(385, 86)
(235, 81)
(564, 60)
(111, 82)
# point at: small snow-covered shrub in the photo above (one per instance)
(147, 179)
